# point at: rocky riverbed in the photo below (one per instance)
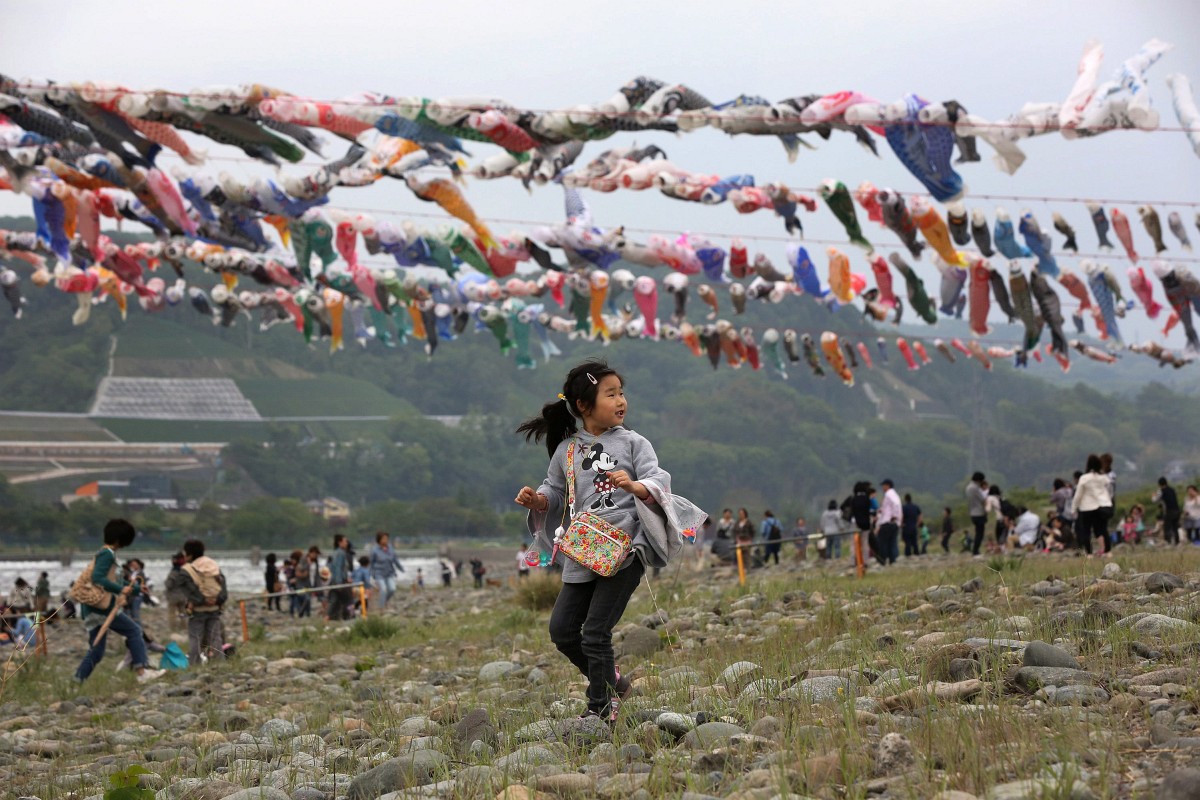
(1052, 676)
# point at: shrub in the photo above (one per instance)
(373, 628)
(538, 592)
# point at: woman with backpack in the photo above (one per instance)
(100, 592)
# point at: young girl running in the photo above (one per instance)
(617, 477)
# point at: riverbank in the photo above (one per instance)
(998, 678)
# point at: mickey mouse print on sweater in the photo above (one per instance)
(602, 463)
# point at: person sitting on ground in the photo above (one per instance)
(1055, 538)
(204, 586)
(118, 533)
(1024, 530)
(21, 599)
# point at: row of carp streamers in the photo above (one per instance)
(82, 151)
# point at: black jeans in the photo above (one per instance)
(979, 523)
(1171, 528)
(889, 545)
(582, 623)
(911, 547)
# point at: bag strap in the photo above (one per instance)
(571, 477)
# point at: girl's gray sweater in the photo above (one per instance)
(595, 456)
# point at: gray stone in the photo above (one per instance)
(259, 793)
(822, 689)
(566, 784)
(1160, 582)
(1000, 645)
(1047, 589)
(1155, 624)
(544, 730)
(1111, 570)
(199, 789)
(412, 769)
(711, 734)
(972, 586)
(1035, 790)
(962, 669)
(1182, 784)
(1041, 654)
(1033, 678)
(759, 688)
(417, 726)
(639, 641)
(675, 724)
(1160, 676)
(739, 673)
(497, 670)
(1075, 695)
(895, 754)
(477, 780)
(526, 756)
(936, 594)
(309, 793)
(591, 729)
(222, 754)
(279, 729)
(475, 726)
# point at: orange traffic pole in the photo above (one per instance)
(245, 624)
(741, 566)
(859, 564)
(362, 598)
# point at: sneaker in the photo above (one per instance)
(150, 675)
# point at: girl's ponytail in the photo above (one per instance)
(557, 420)
(554, 424)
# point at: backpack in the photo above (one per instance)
(208, 585)
(847, 509)
(86, 593)
(774, 531)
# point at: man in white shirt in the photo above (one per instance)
(887, 523)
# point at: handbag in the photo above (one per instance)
(590, 540)
(87, 593)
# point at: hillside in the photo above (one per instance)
(731, 437)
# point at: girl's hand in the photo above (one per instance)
(620, 479)
(530, 499)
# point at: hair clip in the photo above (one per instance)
(592, 379)
(562, 397)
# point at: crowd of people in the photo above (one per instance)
(333, 584)
(1078, 514)
(1082, 514)
(887, 523)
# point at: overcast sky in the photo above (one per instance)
(991, 56)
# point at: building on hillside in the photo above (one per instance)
(330, 509)
(139, 491)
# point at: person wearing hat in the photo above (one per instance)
(887, 524)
